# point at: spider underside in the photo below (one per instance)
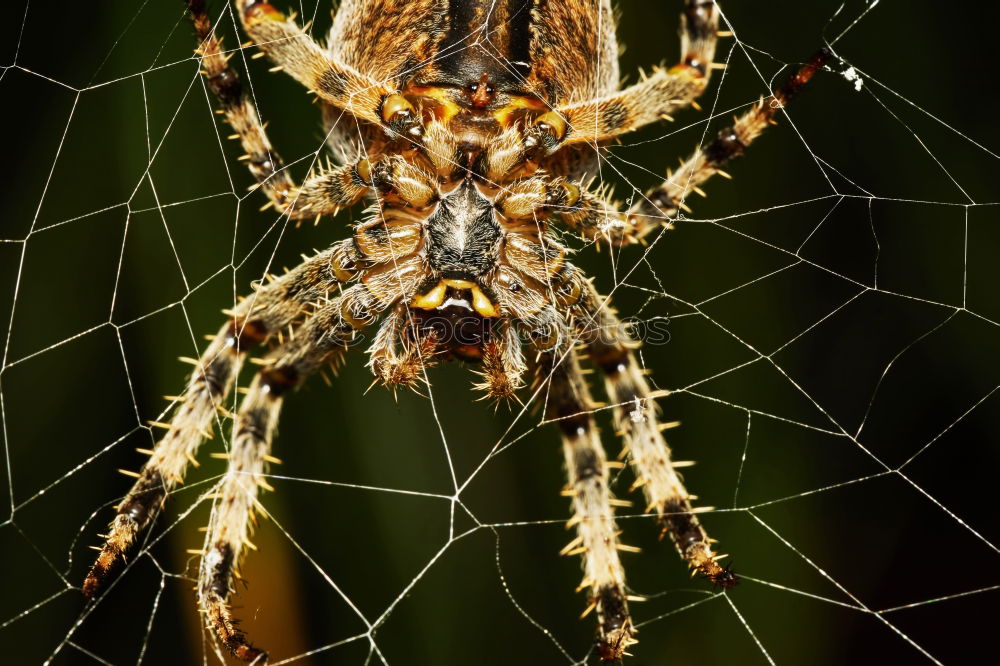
(479, 124)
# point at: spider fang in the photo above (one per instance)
(435, 298)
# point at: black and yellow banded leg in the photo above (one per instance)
(260, 157)
(292, 50)
(234, 505)
(317, 341)
(650, 100)
(661, 204)
(255, 319)
(324, 193)
(569, 405)
(637, 419)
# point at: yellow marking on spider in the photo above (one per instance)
(504, 115)
(435, 297)
(262, 12)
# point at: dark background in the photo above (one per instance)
(873, 339)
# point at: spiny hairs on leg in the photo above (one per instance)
(650, 100)
(293, 50)
(635, 413)
(235, 503)
(664, 202)
(590, 213)
(273, 307)
(569, 404)
(323, 335)
(323, 193)
(503, 364)
(636, 416)
(394, 358)
(263, 162)
(208, 387)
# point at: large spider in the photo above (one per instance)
(478, 123)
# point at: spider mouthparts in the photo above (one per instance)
(457, 316)
(451, 292)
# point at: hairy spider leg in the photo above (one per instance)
(254, 319)
(324, 193)
(569, 404)
(587, 213)
(317, 342)
(593, 216)
(663, 202)
(294, 51)
(503, 364)
(636, 417)
(650, 100)
(393, 358)
(264, 163)
(646, 102)
(234, 507)
(209, 385)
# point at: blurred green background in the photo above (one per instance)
(832, 311)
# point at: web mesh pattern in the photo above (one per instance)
(827, 323)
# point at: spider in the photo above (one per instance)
(478, 125)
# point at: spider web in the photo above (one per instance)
(832, 354)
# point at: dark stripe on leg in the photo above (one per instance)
(144, 500)
(569, 402)
(733, 140)
(699, 24)
(263, 162)
(636, 417)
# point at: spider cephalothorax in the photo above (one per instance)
(475, 125)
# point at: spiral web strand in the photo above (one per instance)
(832, 329)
